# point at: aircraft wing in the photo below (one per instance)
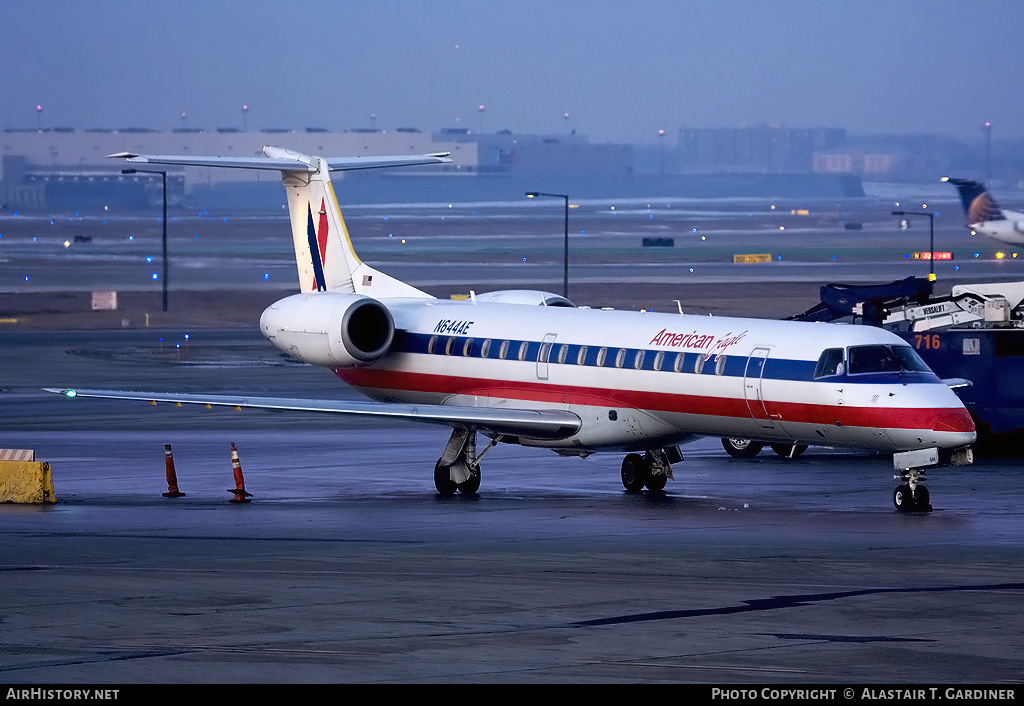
(534, 424)
(284, 160)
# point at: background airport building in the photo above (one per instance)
(68, 169)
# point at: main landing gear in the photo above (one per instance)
(458, 469)
(652, 470)
(745, 448)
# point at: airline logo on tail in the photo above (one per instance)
(318, 246)
(984, 208)
(979, 206)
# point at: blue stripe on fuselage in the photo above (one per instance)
(735, 364)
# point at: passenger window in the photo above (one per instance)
(680, 362)
(485, 348)
(638, 362)
(620, 357)
(467, 347)
(601, 355)
(522, 350)
(659, 359)
(581, 357)
(544, 354)
(503, 351)
(448, 346)
(432, 345)
(829, 363)
(563, 351)
(698, 365)
(720, 365)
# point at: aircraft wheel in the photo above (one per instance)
(907, 500)
(471, 485)
(903, 498)
(922, 499)
(656, 482)
(742, 448)
(634, 473)
(443, 482)
(788, 451)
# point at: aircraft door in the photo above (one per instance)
(544, 355)
(752, 387)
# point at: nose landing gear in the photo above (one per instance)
(912, 496)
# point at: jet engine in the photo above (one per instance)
(329, 328)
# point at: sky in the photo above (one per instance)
(615, 71)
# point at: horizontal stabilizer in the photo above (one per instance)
(534, 424)
(278, 159)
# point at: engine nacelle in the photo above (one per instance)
(329, 328)
(1019, 225)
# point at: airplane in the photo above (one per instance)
(530, 367)
(983, 215)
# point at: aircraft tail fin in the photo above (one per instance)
(979, 206)
(324, 255)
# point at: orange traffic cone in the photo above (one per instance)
(172, 478)
(241, 496)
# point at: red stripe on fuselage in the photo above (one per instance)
(936, 419)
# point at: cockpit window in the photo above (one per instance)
(873, 359)
(885, 359)
(910, 360)
(830, 363)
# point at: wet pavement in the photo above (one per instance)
(346, 566)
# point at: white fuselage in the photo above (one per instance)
(640, 381)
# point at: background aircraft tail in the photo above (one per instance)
(979, 206)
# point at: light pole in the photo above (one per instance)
(931, 238)
(164, 221)
(565, 256)
(988, 153)
(661, 142)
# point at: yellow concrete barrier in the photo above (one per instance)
(753, 257)
(26, 482)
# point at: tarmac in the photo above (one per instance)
(346, 567)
